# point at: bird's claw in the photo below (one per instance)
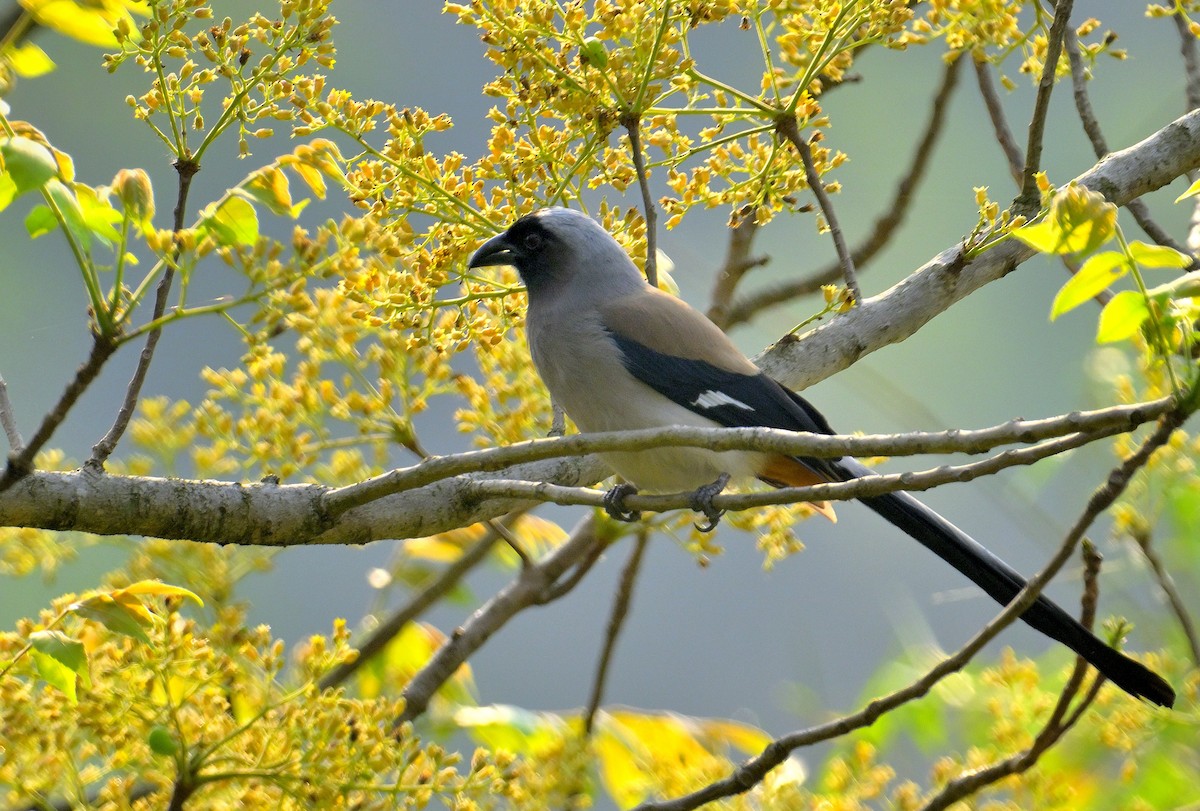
(614, 503)
(702, 502)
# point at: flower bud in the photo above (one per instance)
(132, 187)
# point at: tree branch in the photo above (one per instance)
(289, 514)
(633, 125)
(386, 631)
(898, 313)
(738, 262)
(1056, 725)
(760, 439)
(20, 464)
(1167, 584)
(1091, 127)
(864, 487)
(447, 492)
(8, 420)
(532, 586)
(995, 109)
(885, 227)
(185, 170)
(754, 770)
(1030, 199)
(786, 127)
(616, 621)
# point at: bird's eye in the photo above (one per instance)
(533, 242)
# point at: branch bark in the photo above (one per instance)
(290, 514)
(447, 492)
(898, 313)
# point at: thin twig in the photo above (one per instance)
(616, 621)
(633, 125)
(1091, 126)
(885, 227)
(1191, 64)
(995, 110)
(8, 419)
(1167, 584)
(1055, 726)
(386, 631)
(20, 464)
(865, 487)
(1012, 154)
(787, 127)
(186, 170)
(752, 772)
(1030, 198)
(529, 588)
(738, 261)
(1126, 417)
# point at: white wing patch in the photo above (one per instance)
(716, 399)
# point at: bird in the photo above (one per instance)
(617, 353)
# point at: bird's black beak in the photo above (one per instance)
(496, 251)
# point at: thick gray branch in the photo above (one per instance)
(899, 312)
(224, 512)
(452, 491)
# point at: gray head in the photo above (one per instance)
(557, 247)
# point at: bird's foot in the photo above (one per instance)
(614, 503)
(702, 502)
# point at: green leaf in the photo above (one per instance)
(1097, 273)
(235, 222)
(1122, 317)
(162, 741)
(1158, 256)
(41, 220)
(117, 617)
(27, 162)
(72, 212)
(60, 660)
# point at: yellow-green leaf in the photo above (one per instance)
(29, 163)
(1079, 221)
(1096, 274)
(90, 21)
(98, 214)
(29, 61)
(154, 588)
(8, 190)
(1158, 256)
(68, 205)
(1122, 317)
(1192, 191)
(39, 221)
(235, 222)
(270, 187)
(1186, 286)
(748, 739)
(514, 729)
(60, 660)
(120, 618)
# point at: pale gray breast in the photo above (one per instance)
(581, 366)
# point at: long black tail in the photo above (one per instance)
(1003, 583)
